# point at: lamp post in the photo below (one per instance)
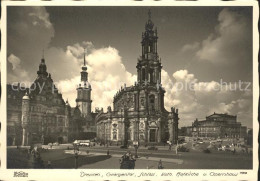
(76, 155)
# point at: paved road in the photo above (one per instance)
(190, 160)
(98, 158)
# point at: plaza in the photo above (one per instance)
(97, 157)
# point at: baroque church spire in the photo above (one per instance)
(149, 65)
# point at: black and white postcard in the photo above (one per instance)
(151, 90)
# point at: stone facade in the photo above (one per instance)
(218, 126)
(139, 113)
(40, 115)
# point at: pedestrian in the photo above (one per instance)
(123, 161)
(127, 156)
(131, 161)
(49, 164)
(28, 153)
(107, 152)
(234, 151)
(160, 165)
(170, 146)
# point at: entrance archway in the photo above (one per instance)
(152, 135)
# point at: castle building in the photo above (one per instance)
(217, 126)
(138, 111)
(40, 115)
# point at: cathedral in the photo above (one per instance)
(40, 115)
(138, 113)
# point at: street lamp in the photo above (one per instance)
(76, 155)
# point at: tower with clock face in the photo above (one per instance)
(84, 92)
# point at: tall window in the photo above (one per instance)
(143, 74)
(114, 131)
(151, 76)
(151, 101)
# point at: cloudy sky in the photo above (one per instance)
(205, 46)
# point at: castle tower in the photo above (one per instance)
(149, 66)
(25, 119)
(42, 72)
(84, 92)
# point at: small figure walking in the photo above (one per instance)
(170, 146)
(28, 153)
(160, 165)
(49, 164)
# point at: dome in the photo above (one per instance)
(26, 97)
(84, 67)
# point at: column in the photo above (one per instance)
(159, 132)
(146, 74)
(156, 47)
(109, 127)
(14, 141)
(146, 130)
(24, 142)
(27, 138)
(170, 130)
(159, 76)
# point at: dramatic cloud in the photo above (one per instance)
(190, 47)
(230, 43)
(29, 32)
(106, 73)
(197, 99)
(40, 17)
(17, 74)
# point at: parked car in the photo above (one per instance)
(84, 143)
(56, 144)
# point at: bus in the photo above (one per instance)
(82, 142)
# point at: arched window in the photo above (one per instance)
(143, 74)
(151, 76)
(152, 101)
(150, 47)
(129, 134)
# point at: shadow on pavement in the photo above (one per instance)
(18, 158)
(82, 160)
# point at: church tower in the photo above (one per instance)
(42, 72)
(149, 65)
(84, 92)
